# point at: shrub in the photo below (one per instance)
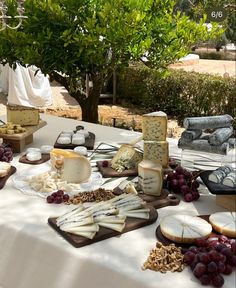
(178, 93)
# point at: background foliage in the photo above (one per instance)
(178, 93)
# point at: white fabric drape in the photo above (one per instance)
(24, 87)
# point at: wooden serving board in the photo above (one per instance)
(214, 188)
(108, 172)
(45, 158)
(184, 246)
(165, 199)
(105, 233)
(89, 143)
(19, 141)
(4, 179)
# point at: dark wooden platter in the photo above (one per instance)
(4, 179)
(89, 143)
(184, 246)
(105, 233)
(165, 199)
(108, 172)
(45, 158)
(214, 188)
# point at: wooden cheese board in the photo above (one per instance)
(89, 143)
(45, 158)
(108, 172)
(4, 179)
(165, 241)
(165, 199)
(19, 141)
(105, 233)
(214, 188)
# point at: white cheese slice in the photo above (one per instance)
(4, 168)
(85, 228)
(113, 226)
(140, 215)
(89, 235)
(112, 219)
(150, 177)
(224, 223)
(71, 224)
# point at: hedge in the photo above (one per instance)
(177, 92)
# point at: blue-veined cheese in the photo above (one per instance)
(127, 157)
(156, 151)
(150, 177)
(154, 126)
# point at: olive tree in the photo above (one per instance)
(81, 42)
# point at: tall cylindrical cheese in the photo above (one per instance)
(157, 151)
(154, 126)
(150, 177)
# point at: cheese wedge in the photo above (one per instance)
(224, 223)
(154, 126)
(127, 157)
(150, 177)
(134, 214)
(4, 168)
(184, 228)
(75, 168)
(85, 228)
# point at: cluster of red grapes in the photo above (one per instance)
(58, 197)
(182, 181)
(6, 153)
(211, 259)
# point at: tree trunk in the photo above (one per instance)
(89, 105)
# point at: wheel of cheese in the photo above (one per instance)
(224, 223)
(185, 228)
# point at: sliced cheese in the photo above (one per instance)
(85, 228)
(89, 235)
(157, 151)
(150, 177)
(113, 226)
(133, 214)
(154, 126)
(184, 228)
(224, 223)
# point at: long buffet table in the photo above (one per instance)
(33, 255)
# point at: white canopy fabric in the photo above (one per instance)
(24, 87)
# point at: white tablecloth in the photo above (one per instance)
(33, 255)
(24, 87)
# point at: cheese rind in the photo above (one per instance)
(25, 116)
(156, 151)
(154, 126)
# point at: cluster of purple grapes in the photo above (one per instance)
(211, 259)
(6, 153)
(58, 197)
(182, 181)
